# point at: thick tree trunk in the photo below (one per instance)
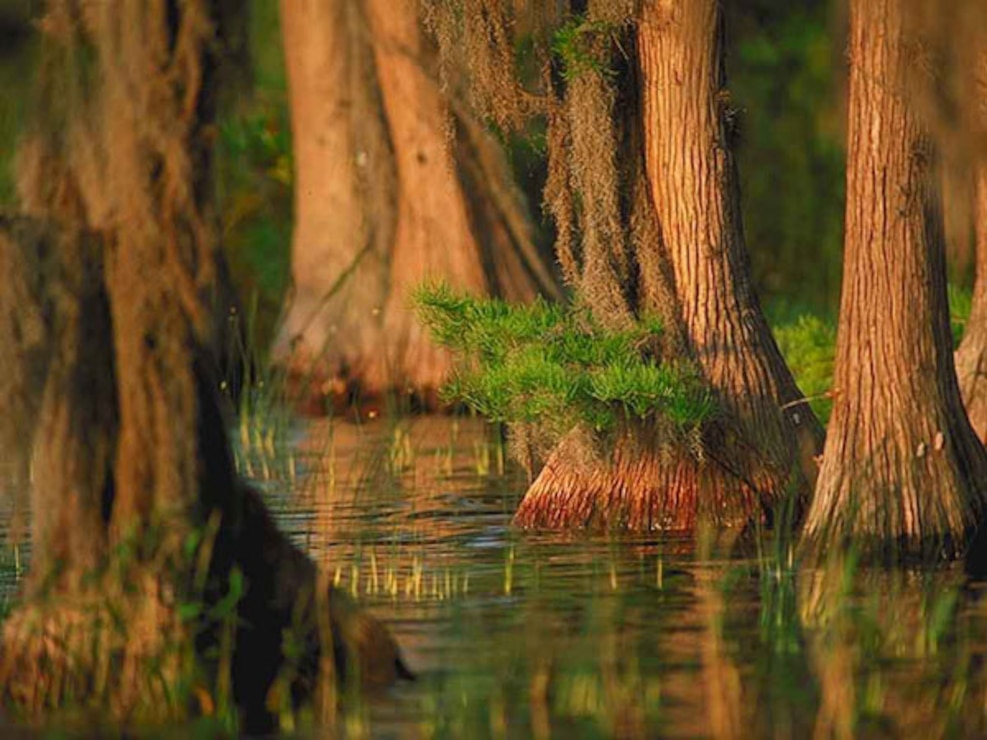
(137, 515)
(694, 271)
(380, 206)
(343, 190)
(433, 239)
(902, 466)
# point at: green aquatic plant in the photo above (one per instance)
(557, 367)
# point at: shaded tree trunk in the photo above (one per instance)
(902, 466)
(136, 512)
(390, 192)
(692, 269)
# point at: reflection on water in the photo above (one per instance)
(522, 635)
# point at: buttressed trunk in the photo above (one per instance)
(693, 270)
(901, 466)
(136, 510)
(391, 191)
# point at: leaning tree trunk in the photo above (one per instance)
(382, 204)
(902, 466)
(971, 357)
(693, 271)
(136, 512)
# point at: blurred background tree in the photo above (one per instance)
(787, 76)
(787, 70)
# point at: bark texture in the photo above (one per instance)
(902, 466)
(971, 357)
(391, 191)
(136, 509)
(691, 266)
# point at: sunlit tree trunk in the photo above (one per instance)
(971, 357)
(382, 204)
(694, 271)
(901, 465)
(339, 241)
(137, 514)
(433, 238)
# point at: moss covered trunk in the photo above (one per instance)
(159, 586)
(901, 463)
(692, 269)
(391, 190)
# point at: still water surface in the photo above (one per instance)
(518, 635)
(531, 635)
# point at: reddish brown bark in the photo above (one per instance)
(380, 206)
(901, 463)
(433, 239)
(694, 271)
(335, 232)
(971, 357)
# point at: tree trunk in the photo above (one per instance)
(694, 271)
(137, 516)
(343, 190)
(382, 204)
(901, 467)
(433, 238)
(971, 357)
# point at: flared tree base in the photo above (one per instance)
(923, 508)
(117, 658)
(316, 390)
(641, 486)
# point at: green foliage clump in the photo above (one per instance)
(556, 367)
(576, 44)
(960, 305)
(809, 347)
(808, 344)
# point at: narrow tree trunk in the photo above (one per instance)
(694, 271)
(382, 205)
(901, 463)
(971, 357)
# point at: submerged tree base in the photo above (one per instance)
(642, 485)
(119, 654)
(124, 648)
(312, 392)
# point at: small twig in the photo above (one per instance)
(809, 399)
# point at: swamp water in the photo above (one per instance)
(523, 635)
